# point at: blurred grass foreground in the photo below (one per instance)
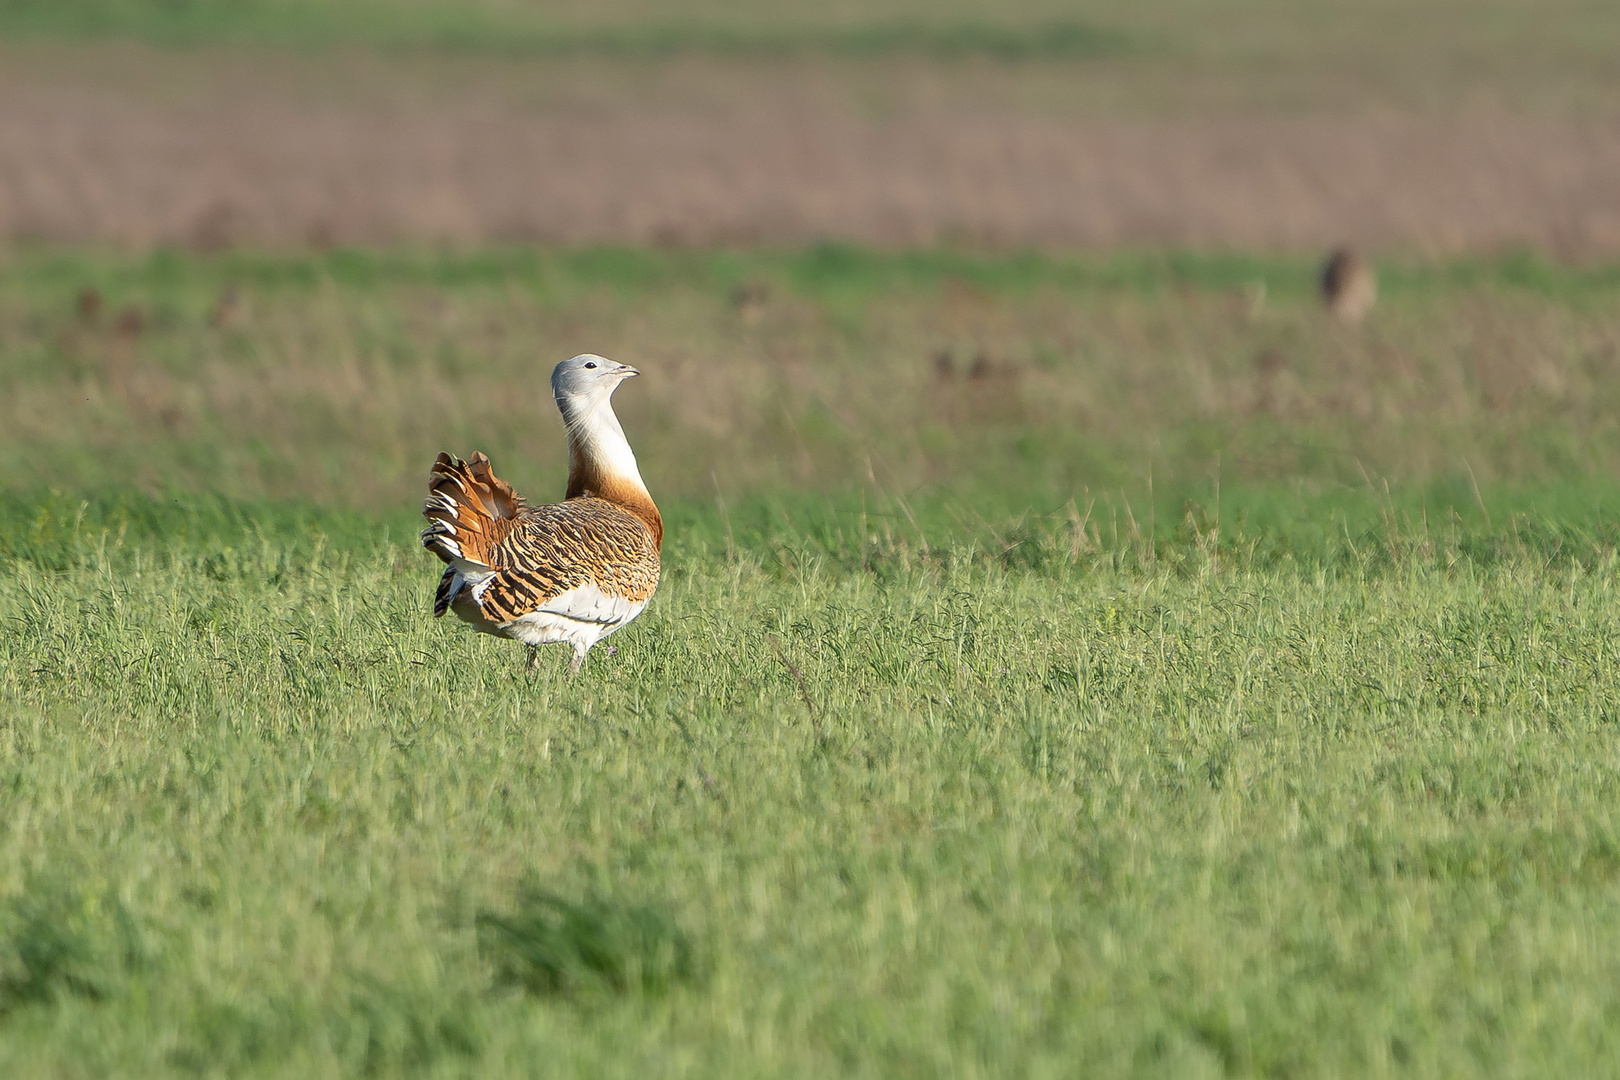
(1024, 380)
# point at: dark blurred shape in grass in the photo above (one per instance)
(58, 938)
(550, 945)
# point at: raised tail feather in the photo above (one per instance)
(469, 511)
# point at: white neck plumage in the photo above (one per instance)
(599, 454)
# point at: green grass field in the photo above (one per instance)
(825, 810)
(1066, 664)
(1141, 705)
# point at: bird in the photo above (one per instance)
(227, 309)
(1349, 286)
(570, 572)
(89, 304)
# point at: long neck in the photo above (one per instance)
(601, 463)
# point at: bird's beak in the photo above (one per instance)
(626, 371)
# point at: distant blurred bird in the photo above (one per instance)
(89, 304)
(1349, 286)
(748, 300)
(570, 572)
(227, 309)
(131, 322)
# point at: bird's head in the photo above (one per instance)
(600, 458)
(585, 382)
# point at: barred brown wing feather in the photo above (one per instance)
(583, 559)
(471, 512)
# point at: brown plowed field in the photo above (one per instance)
(92, 162)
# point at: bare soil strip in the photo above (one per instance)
(94, 166)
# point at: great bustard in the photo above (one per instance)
(1349, 286)
(570, 572)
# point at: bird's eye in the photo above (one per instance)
(590, 365)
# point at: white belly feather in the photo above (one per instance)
(581, 616)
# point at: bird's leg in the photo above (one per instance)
(534, 660)
(577, 662)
